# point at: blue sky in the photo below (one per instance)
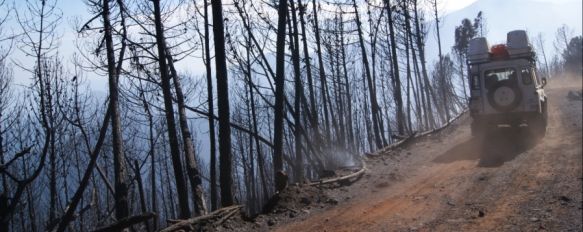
(452, 5)
(76, 9)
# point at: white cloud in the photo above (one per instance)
(453, 5)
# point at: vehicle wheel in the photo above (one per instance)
(477, 128)
(539, 125)
(545, 113)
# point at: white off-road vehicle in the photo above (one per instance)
(505, 88)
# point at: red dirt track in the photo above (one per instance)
(510, 181)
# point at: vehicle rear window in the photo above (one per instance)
(492, 77)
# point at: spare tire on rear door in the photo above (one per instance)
(504, 96)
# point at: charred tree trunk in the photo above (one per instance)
(396, 79)
(441, 68)
(279, 98)
(322, 71)
(255, 130)
(141, 191)
(373, 46)
(225, 172)
(121, 188)
(408, 48)
(211, 111)
(189, 153)
(255, 201)
(349, 121)
(181, 185)
(294, 40)
(314, 116)
(151, 143)
(68, 215)
(427, 86)
(371, 86)
(337, 83)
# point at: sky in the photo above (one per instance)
(76, 9)
(453, 5)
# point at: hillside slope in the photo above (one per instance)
(452, 182)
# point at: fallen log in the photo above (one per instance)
(444, 126)
(126, 222)
(400, 142)
(342, 178)
(418, 135)
(226, 212)
(226, 217)
(387, 148)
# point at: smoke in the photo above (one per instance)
(339, 157)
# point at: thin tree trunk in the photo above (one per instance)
(369, 133)
(189, 152)
(418, 94)
(68, 215)
(349, 120)
(428, 90)
(335, 62)
(256, 202)
(171, 204)
(422, 120)
(322, 70)
(181, 185)
(260, 159)
(314, 116)
(441, 69)
(141, 191)
(540, 41)
(396, 79)
(408, 47)
(121, 188)
(372, 94)
(408, 88)
(152, 147)
(373, 38)
(327, 95)
(211, 123)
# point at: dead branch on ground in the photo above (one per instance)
(222, 214)
(126, 222)
(342, 178)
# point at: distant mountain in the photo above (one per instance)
(534, 16)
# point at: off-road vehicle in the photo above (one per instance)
(506, 90)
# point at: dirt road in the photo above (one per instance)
(453, 182)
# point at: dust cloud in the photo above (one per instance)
(505, 144)
(492, 149)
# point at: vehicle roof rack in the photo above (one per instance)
(517, 47)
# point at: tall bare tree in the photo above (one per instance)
(279, 176)
(169, 113)
(225, 165)
(211, 121)
(121, 185)
(441, 67)
(395, 71)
